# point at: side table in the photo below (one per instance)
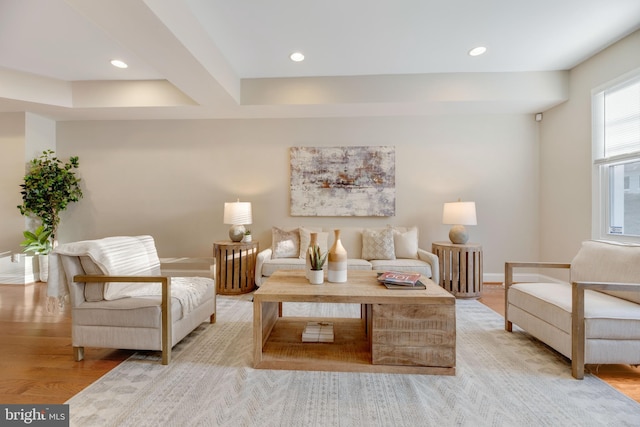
(235, 266)
(460, 268)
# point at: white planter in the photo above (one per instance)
(43, 267)
(316, 277)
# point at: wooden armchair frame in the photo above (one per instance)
(508, 281)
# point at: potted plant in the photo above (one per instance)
(316, 260)
(247, 236)
(49, 186)
(39, 243)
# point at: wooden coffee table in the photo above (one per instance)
(399, 331)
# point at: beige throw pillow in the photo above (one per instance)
(305, 239)
(378, 244)
(406, 243)
(285, 244)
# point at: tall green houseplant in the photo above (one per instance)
(49, 186)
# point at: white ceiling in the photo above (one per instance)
(224, 58)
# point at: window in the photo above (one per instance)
(616, 160)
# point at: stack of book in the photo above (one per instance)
(401, 280)
(318, 332)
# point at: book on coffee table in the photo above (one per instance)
(318, 332)
(418, 285)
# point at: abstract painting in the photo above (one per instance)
(343, 181)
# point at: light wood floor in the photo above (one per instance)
(37, 365)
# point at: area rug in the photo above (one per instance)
(502, 379)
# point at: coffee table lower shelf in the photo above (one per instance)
(350, 351)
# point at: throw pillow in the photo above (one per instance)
(285, 244)
(93, 292)
(305, 238)
(406, 243)
(378, 244)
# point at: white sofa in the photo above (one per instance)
(120, 299)
(595, 319)
(367, 249)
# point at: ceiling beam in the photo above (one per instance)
(160, 47)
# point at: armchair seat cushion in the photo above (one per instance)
(606, 316)
(134, 312)
(270, 266)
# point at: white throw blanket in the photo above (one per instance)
(125, 256)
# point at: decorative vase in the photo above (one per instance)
(316, 277)
(337, 269)
(313, 240)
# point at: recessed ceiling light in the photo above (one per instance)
(297, 57)
(118, 63)
(476, 51)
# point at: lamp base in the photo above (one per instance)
(458, 235)
(236, 233)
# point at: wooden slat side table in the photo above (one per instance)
(235, 266)
(460, 268)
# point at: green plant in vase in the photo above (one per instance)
(37, 242)
(316, 260)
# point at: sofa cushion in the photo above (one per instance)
(93, 292)
(285, 243)
(606, 316)
(270, 266)
(405, 242)
(305, 239)
(378, 244)
(358, 264)
(616, 262)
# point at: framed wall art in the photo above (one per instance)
(343, 181)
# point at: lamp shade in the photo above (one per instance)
(237, 213)
(459, 213)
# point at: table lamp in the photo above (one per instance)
(459, 214)
(237, 214)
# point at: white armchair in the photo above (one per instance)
(594, 319)
(120, 299)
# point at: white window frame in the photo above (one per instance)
(600, 185)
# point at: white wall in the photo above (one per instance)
(565, 159)
(22, 137)
(40, 135)
(12, 168)
(171, 178)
